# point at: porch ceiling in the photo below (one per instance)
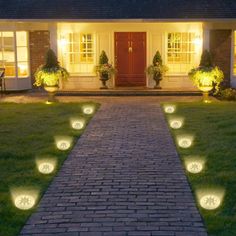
(118, 9)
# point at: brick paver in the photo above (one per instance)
(123, 177)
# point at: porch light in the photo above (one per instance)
(185, 141)
(24, 199)
(194, 165)
(210, 199)
(46, 166)
(169, 109)
(77, 124)
(176, 123)
(88, 110)
(62, 42)
(197, 40)
(63, 143)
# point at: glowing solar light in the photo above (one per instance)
(63, 143)
(48, 103)
(210, 201)
(77, 124)
(46, 168)
(176, 123)
(195, 167)
(24, 201)
(88, 110)
(46, 164)
(169, 109)
(185, 142)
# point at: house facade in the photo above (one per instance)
(129, 32)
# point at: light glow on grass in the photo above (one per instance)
(210, 199)
(24, 199)
(176, 123)
(88, 109)
(170, 108)
(63, 143)
(194, 165)
(46, 165)
(48, 103)
(77, 123)
(185, 141)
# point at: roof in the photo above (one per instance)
(117, 9)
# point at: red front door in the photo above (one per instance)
(130, 58)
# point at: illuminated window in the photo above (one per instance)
(22, 54)
(80, 53)
(7, 53)
(180, 52)
(14, 51)
(81, 48)
(235, 53)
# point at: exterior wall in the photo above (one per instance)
(156, 40)
(220, 48)
(39, 43)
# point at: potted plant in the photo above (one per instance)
(49, 74)
(104, 70)
(157, 69)
(206, 76)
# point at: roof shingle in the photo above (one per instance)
(117, 9)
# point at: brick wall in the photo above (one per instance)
(220, 48)
(39, 42)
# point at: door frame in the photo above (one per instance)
(146, 54)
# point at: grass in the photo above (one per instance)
(28, 130)
(214, 129)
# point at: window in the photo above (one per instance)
(234, 72)
(180, 52)
(80, 53)
(14, 51)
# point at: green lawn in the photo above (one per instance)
(214, 129)
(27, 131)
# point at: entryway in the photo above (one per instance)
(130, 58)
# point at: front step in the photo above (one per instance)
(129, 93)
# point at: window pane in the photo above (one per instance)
(22, 54)
(23, 70)
(10, 69)
(21, 38)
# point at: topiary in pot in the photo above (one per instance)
(49, 75)
(156, 70)
(104, 69)
(206, 76)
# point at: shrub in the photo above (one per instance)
(228, 94)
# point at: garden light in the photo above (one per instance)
(176, 123)
(46, 166)
(77, 123)
(88, 110)
(24, 202)
(63, 143)
(169, 109)
(210, 199)
(185, 141)
(210, 202)
(194, 165)
(24, 199)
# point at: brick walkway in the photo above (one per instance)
(123, 177)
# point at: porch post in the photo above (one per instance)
(53, 36)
